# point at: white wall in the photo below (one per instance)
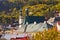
(20, 22)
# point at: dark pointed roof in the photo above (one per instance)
(31, 19)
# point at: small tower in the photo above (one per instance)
(27, 14)
(20, 19)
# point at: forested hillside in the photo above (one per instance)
(11, 8)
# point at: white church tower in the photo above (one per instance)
(22, 25)
(20, 19)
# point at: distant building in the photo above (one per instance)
(34, 24)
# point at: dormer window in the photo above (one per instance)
(26, 23)
(44, 22)
(34, 22)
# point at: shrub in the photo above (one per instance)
(51, 34)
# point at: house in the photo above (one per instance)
(34, 24)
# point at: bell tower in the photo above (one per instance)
(20, 19)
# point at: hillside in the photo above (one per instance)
(11, 8)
